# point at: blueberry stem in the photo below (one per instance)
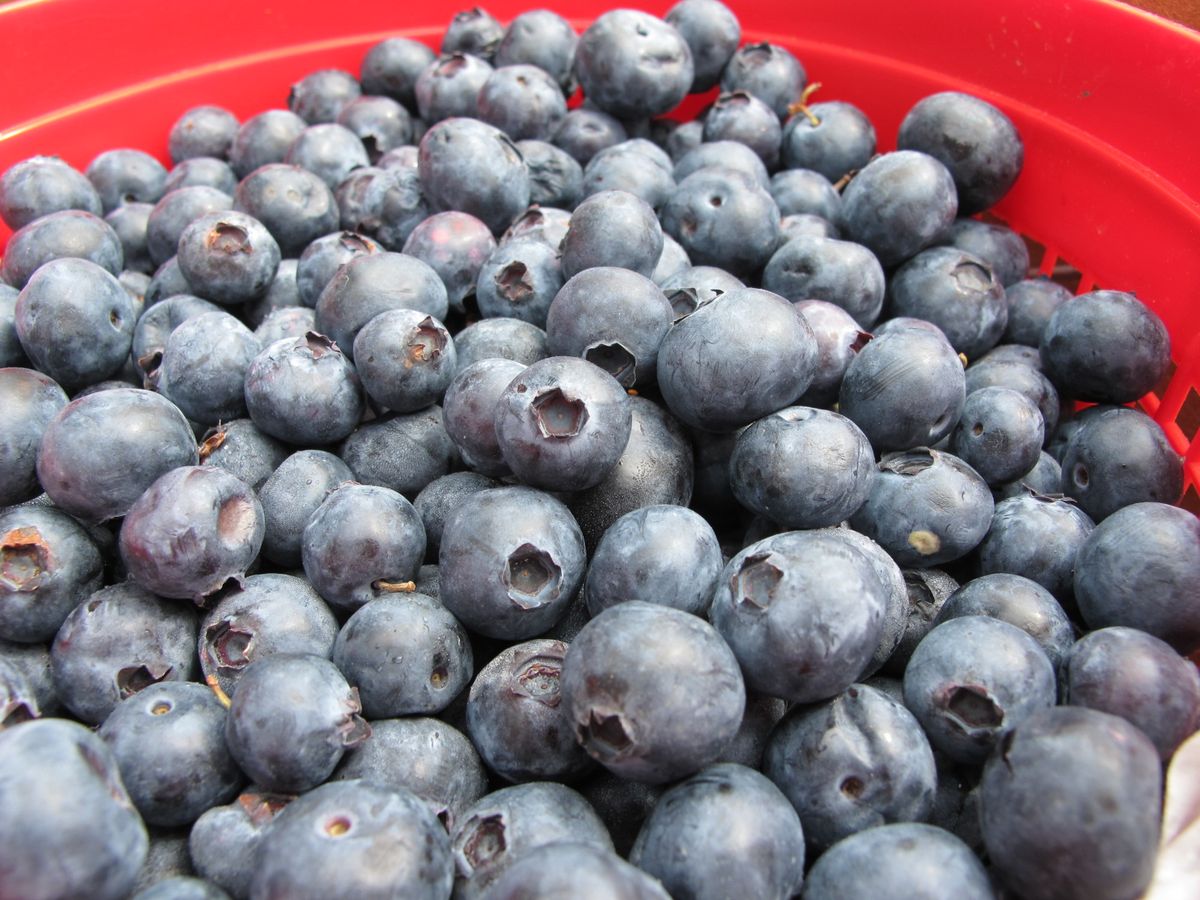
(215, 686)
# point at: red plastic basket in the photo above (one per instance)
(1106, 97)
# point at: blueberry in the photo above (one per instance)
(329, 150)
(902, 860)
(584, 132)
(294, 204)
(406, 655)
(203, 367)
(508, 825)
(100, 452)
(925, 508)
(289, 748)
(656, 467)
(303, 391)
(769, 72)
(805, 191)
(1036, 536)
(741, 116)
(1031, 303)
(996, 371)
(898, 204)
(1117, 458)
(723, 220)
(515, 718)
(725, 829)
(360, 544)
(118, 641)
(541, 223)
(519, 280)
(612, 228)
(672, 261)
(540, 38)
(203, 171)
(1100, 836)
(390, 68)
(658, 554)
(511, 561)
(130, 222)
(712, 32)
(93, 846)
(30, 401)
(469, 412)
(401, 451)
(569, 869)
(70, 234)
(693, 286)
(1044, 478)
(999, 434)
(243, 451)
(632, 64)
(354, 838)
(405, 359)
(723, 155)
(927, 590)
(612, 317)
(426, 756)
(11, 352)
(854, 762)
(319, 96)
(202, 131)
(49, 562)
(474, 31)
(42, 185)
(1106, 346)
(268, 614)
(169, 743)
(904, 389)
(284, 322)
(455, 245)
(836, 140)
(166, 282)
(440, 498)
(555, 177)
(475, 168)
(176, 211)
(523, 101)
(126, 176)
(500, 338)
(839, 338)
(181, 887)
(222, 844)
(263, 139)
(380, 123)
(974, 140)
(624, 167)
(775, 352)
(807, 224)
(1135, 569)
(973, 679)
(997, 245)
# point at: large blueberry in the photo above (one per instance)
(228, 257)
(769, 71)
(30, 400)
(833, 138)
(455, 245)
(712, 32)
(295, 205)
(633, 65)
(839, 338)
(723, 219)
(999, 434)
(401, 451)
(203, 367)
(1037, 536)
(405, 359)
(839, 272)
(42, 185)
(70, 234)
(519, 280)
(474, 167)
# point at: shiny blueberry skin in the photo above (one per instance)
(898, 204)
(405, 360)
(426, 756)
(624, 167)
(500, 338)
(768, 71)
(70, 234)
(973, 679)
(474, 167)
(976, 142)
(169, 743)
(202, 131)
(48, 563)
(126, 176)
(519, 280)
(1100, 836)
(295, 205)
(712, 33)
(263, 139)
(474, 31)
(203, 367)
(30, 400)
(243, 451)
(1118, 458)
(506, 825)
(906, 859)
(289, 748)
(303, 391)
(803, 612)
(723, 220)
(469, 412)
(540, 38)
(925, 508)
(355, 838)
(1031, 303)
(42, 185)
(725, 830)
(390, 68)
(841, 141)
(1137, 569)
(380, 123)
(628, 677)
(516, 720)
(193, 530)
(320, 96)
(1131, 674)
(562, 423)
(455, 245)
(612, 228)
(614, 318)
(406, 655)
(1039, 537)
(839, 337)
(511, 562)
(523, 101)
(775, 352)
(633, 65)
(268, 614)
(802, 467)
(555, 177)
(92, 846)
(1106, 347)
(401, 451)
(373, 283)
(360, 543)
(851, 763)
(118, 641)
(999, 434)
(741, 116)
(897, 402)
(100, 452)
(658, 554)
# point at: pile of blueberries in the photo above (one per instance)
(437, 489)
